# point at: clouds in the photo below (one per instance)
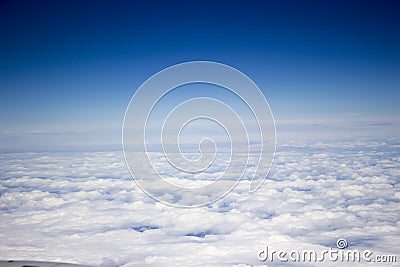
(85, 208)
(346, 126)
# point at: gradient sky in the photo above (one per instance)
(69, 68)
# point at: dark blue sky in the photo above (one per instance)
(72, 66)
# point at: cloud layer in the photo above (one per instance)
(85, 208)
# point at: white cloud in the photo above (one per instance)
(85, 208)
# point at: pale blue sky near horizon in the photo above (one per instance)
(68, 68)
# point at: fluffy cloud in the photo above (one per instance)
(85, 208)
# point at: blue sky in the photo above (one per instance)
(69, 68)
